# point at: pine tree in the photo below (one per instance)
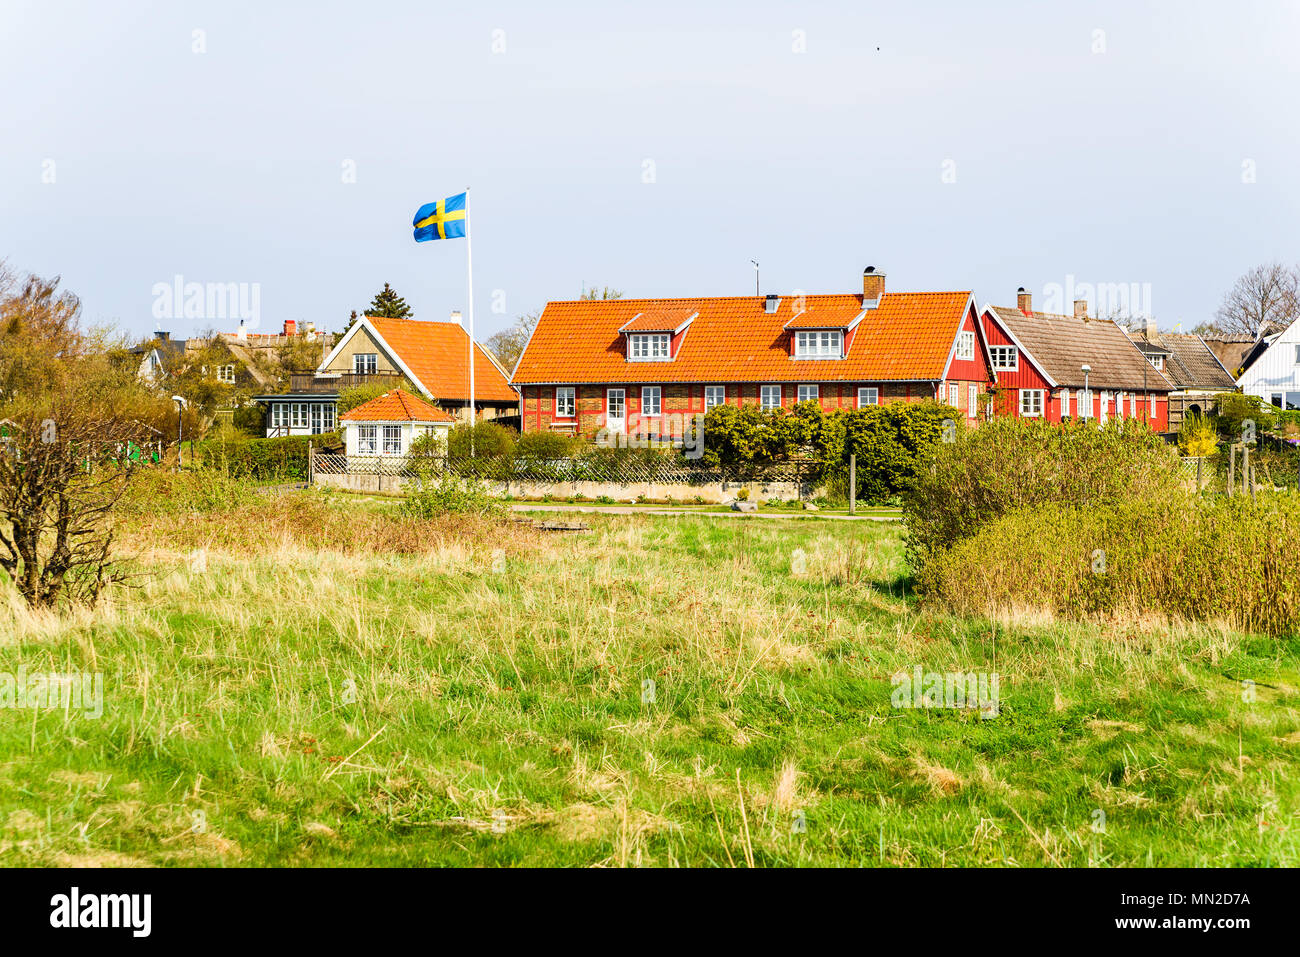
(389, 305)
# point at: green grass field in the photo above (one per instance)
(304, 682)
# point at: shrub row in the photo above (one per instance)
(283, 459)
(1234, 561)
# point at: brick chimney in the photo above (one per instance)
(290, 327)
(1024, 301)
(1081, 308)
(1152, 332)
(873, 286)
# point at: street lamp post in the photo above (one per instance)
(180, 425)
(1087, 393)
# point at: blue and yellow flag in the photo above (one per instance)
(444, 219)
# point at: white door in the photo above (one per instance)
(615, 410)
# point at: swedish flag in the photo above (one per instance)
(444, 219)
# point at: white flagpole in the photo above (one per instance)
(469, 269)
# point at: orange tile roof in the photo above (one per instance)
(436, 353)
(396, 405)
(824, 318)
(658, 320)
(907, 338)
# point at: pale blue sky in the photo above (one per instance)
(226, 166)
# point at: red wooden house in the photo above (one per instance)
(1070, 367)
(641, 365)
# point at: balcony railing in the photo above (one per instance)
(311, 382)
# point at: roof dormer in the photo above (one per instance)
(656, 335)
(822, 334)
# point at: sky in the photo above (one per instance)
(656, 148)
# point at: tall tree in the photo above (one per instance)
(71, 427)
(389, 305)
(1261, 301)
(508, 344)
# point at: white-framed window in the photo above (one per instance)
(1085, 404)
(972, 400)
(818, 343)
(1132, 405)
(365, 363)
(1157, 361)
(648, 346)
(1064, 397)
(809, 393)
(1297, 353)
(650, 399)
(1103, 412)
(965, 345)
(714, 395)
(367, 439)
(299, 420)
(565, 403)
(954, 395)
(392, 440)
(1031, 402)
(1151, 413)
(328, 418)
(868, 395)
(226, 374)
(770, 397)
(1119, 405)
(1006, 358)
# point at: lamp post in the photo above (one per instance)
(1086, 392)
(180, 425)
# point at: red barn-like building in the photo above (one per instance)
(1039, 361)
(642, 365)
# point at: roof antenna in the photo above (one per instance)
(755, 262)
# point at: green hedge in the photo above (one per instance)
(282, 459)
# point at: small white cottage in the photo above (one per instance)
(389, 424)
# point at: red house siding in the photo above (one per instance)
(1027, 376)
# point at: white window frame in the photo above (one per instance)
(965, 345)
(1157, 361)
(368, 367)
(328, 417)
(763, 394)
(872, 395)
(649, 346)
(1151, 411)
(367, 440)
(818, 343)
(954, 395)
(999, 356)
(972, 400)
(1297, 357)
(1064, 397)
(1132, 405)
(391, 436)
(804, 388)
(649, 392)
(300, 416)
(566, 402)
(714, 395)
(1031, 395)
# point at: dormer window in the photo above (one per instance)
(819, 344)
(648, 346)
(1157, 361)
(965, 345)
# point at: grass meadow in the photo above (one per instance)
(309, 680)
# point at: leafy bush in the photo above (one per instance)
(1232, 409)
(279, 459)
(546, 447)
(450, 494)
(1231, 560)
(749, 435)
(489, 440)
(1008, 464)
(1197, 436)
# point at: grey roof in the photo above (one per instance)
(1191, 364)
(1061, 345)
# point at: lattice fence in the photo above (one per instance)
(669, 471)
